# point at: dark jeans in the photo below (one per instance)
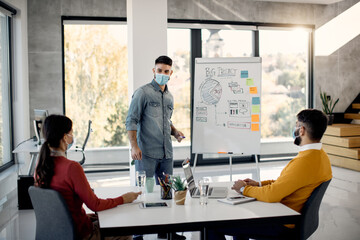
(256, 232)
(155, 167)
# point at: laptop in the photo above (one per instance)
(214, 192)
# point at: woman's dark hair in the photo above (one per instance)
(54, 129)
(314, 121)
(164, 60)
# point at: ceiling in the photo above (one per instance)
(326, 2)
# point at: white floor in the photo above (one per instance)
(339, 212)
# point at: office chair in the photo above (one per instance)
(53, 218)
(310, 212)
(309, 216)
(82, 149)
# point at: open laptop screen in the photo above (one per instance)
(188, 174)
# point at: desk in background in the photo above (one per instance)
(129, 219)
(33, 149)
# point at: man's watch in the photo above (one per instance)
(242, 189)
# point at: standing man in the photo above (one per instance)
(297, 181)
(149, 123)
(150, 128)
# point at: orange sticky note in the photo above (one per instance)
(255, 118)
(253, 90)
(255, 127)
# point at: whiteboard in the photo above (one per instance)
(226, 110)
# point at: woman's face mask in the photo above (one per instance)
(69, 145)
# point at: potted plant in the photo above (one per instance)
(328, 106)
(180, 189)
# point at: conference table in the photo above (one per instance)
(129, 219)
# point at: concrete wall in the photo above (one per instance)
(338, 74)
(44, 27)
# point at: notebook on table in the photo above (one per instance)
(234, 200)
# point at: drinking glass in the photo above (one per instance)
(204, 191)
(149, 184)
(140, 180)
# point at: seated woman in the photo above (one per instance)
(67, 177)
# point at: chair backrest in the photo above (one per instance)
(310, 211)
(53, 218)
(82, 149)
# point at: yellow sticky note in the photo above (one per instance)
(255, 127)
(255, 118)
(253, 90)
(255, 109)
(249, 82)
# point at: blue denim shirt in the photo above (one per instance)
(150, 115)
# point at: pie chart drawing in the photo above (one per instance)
(210, 91)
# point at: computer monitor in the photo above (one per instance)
(39, 117)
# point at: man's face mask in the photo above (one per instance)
(161, 79)
(296, 136)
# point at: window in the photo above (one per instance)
(96, 78)
(226, 43)
(5, 96)
(96, 81)
(284, 78)
(179, 85)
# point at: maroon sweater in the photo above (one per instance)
(70, 181)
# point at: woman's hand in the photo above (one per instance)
(130, 196)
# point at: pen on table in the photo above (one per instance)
(166, 177)
(160, 182)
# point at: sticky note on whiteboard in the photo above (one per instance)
(244, 74)
(255, 127)
(255, 118)
(255, 109)
(255, 100)
(253, 90)
(249, 82)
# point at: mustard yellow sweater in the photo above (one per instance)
(297, 180)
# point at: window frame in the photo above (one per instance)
(196, 51)
(76, 19)
(9, 12)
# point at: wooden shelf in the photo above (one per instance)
(344, 162)
(352, 115)
(340, 151)
(343, 130)
(349, 142)
(355, 105)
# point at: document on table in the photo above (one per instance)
(236, 200)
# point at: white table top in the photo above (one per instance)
(28, 147)
(131, 215)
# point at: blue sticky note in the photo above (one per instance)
(255, 100)
(244, 74)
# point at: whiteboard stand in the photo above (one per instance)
(257, 168)
(230, 160)
(195, 161)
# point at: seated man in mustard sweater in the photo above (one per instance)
(298, 179)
